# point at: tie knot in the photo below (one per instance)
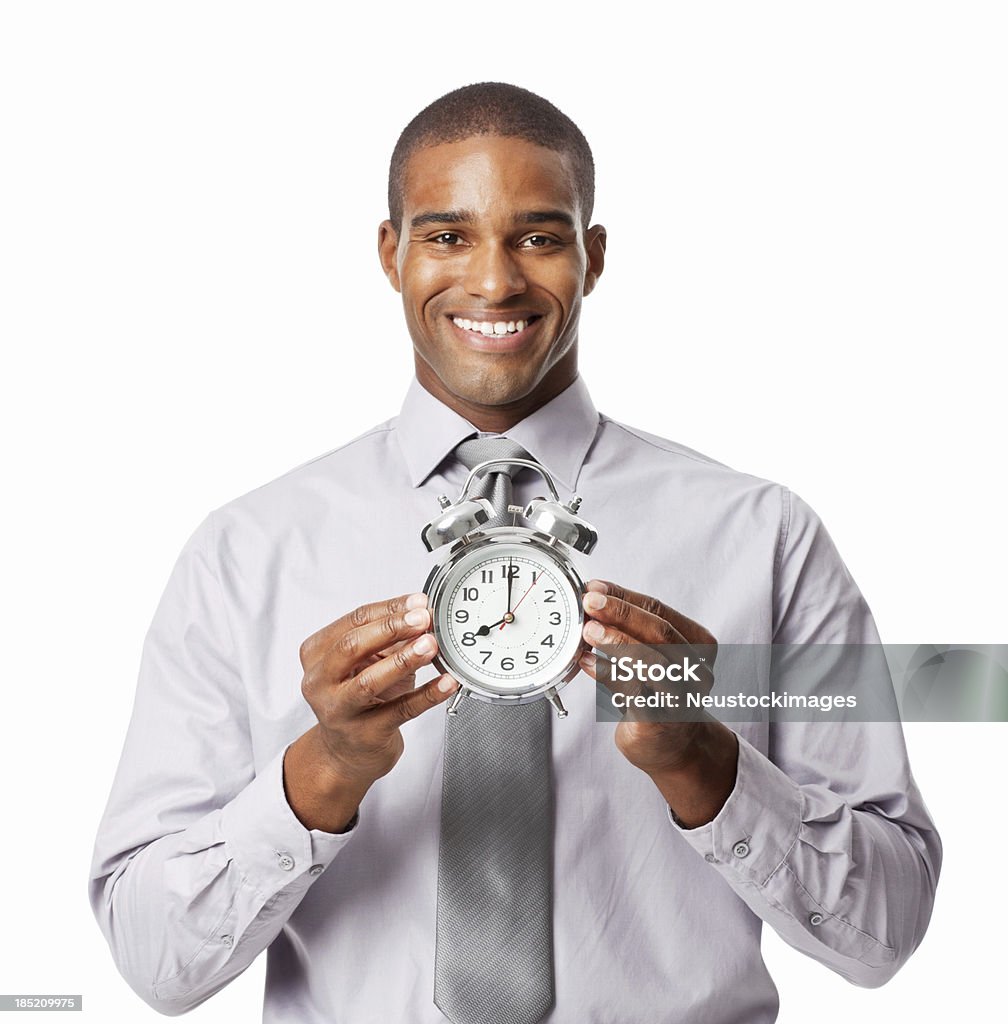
(495, 484)
(482, 449)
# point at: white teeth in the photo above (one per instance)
(491, 329)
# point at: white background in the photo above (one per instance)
(807, 264)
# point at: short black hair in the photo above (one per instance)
(493, 108)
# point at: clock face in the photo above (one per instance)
(508, 617)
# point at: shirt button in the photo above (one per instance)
(228, 940)
(710, 858)
(815, 919)
(741, 848)
(316, 870)
(285, 861)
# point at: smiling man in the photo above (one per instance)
(256, 806)
(492, 286)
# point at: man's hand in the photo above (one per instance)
(692, 763)
(359, 675)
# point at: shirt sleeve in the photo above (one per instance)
(827, 839)
(198, 860)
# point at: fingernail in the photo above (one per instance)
(424, 645)
(594, 601)
(446, 684)
(594, 631)
(597, 586)
(416, 601)
(416, 618)
(588, 660)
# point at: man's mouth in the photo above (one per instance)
(493, 328)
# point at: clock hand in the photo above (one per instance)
(485, 630)
(510, 584)
(526, 594)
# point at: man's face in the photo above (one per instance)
(492, 262)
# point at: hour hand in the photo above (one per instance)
(485, 630)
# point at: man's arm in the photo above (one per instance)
(200, 860)
(844, 871)
(827, 838)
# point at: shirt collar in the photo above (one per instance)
(557, 435)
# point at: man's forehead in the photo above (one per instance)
(483, 171)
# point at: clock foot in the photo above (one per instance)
(456, 700)
(554, 699)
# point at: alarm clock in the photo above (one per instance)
(505, 601)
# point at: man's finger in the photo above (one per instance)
(406, 683)
(386, 651)
(368, 687)
(318, 643)
(644, 626)
(603, 634)
(600, 633)
(599, 669)
(692, 631)
(352, 651)
(396, 712)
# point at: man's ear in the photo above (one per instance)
(595, 242)
(388, 248)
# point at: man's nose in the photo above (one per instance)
(493, 272)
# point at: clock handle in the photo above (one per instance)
(526, 463)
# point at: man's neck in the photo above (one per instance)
(497, 419)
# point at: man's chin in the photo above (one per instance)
(492, 390)
(490, 383)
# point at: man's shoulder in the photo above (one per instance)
(632, 445)
(362, 448)
(339, 472)
(634, 436)
(677, 477)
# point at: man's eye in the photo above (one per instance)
(446, 238)
(538, 241)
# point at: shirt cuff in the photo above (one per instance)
(269, 845)
(757, 827)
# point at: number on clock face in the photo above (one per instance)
(509, 617)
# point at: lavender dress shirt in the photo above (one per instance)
(200, 865)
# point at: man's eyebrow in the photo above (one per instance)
(547, 217)
(467, 217)
(442, 217)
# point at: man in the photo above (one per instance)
(248, 813)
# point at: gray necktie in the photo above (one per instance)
(494, 961)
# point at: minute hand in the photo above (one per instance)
(526, 594)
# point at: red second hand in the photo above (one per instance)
(526, 594)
